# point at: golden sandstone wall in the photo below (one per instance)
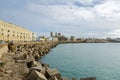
(11, 32)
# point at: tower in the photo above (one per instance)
(51, 34)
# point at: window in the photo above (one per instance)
(8, 30)
(2, 33)
(8, 35)
(2, 29)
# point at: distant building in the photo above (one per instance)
(59, 34)
(117, 39)
(62, 38)
(91, 40)
(51, 34)
(58, 37)
(11, 32)
(41, 38)
(73, 38)
(56, 34)
(33, 37)
(81, 39)
(108, 38)
(54, 39)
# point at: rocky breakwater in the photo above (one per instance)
(21, 62)
(29, 54)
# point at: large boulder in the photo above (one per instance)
(30, 57)
(36, 68)
(53, 72)
(19, 57)
(35, 75)
(12, 47)
(36, 54)
(46, 66)
(33, 64)
(65, 79)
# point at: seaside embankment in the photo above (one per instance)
(20, 61)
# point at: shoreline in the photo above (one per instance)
(21, 62)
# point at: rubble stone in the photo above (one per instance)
(53, 72)
(35, 75)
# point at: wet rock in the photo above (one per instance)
(35, 75)
(90, 78)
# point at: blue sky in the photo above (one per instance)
(80, 18)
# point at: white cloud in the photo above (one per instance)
(62, 13)
(84, 14)
(69, 18)
(99, 19)
(109, 9)
(71, 13)
(85, 1)
(115, 33)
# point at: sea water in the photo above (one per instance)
(100, 60)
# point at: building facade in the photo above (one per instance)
(11, 32)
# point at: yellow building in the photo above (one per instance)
(11, 32)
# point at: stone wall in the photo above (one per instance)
(3, 49)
